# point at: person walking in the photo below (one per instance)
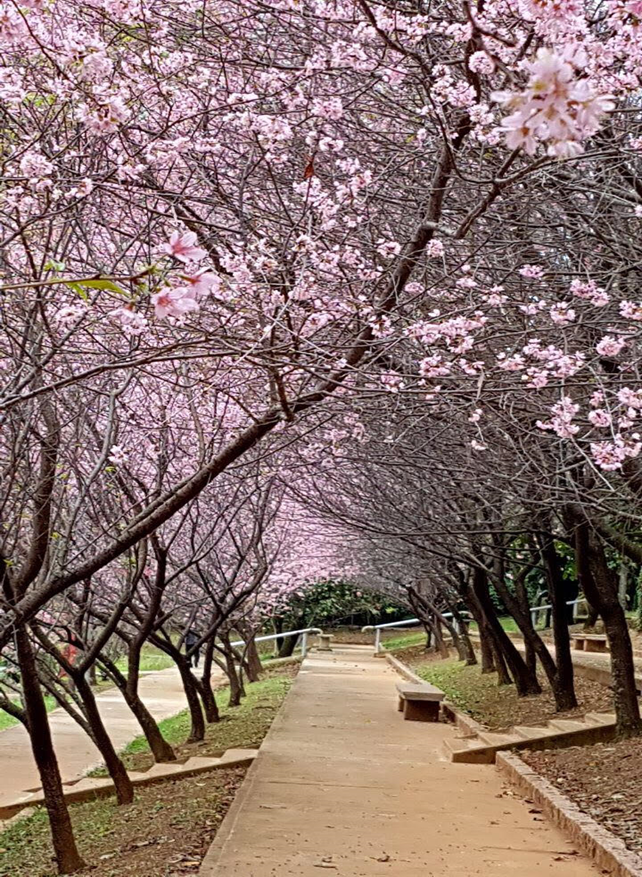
(191, 639)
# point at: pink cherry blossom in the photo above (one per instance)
(610, 346)
(182, 246)
(203, 282)
(174, 302)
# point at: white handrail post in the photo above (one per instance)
(377, 640)
(304, 644)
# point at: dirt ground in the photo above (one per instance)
(165, 833)
(605, 780)
(168, 829)
(498, 706)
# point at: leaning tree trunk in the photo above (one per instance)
(205, 688)
(62, 836)
(288, 645)
(452, 630)
(160, 748)
(122, 783)
(253, 664)
(440, 643)
(236, 686)
(485, 634)
(197, 731)
(468, 651)
(525, 681)
(604, 596)
(503, 676)
(521, 595)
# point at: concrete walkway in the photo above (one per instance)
(343, 784)
(163, 695)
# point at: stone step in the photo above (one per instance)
(569, 724)
(531, 732)
(491, 738)
(462, 741)
(482, 747)
(238, 756)
(600, 718)
(469, 751)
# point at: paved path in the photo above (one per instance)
(163, 695)
(344, 784)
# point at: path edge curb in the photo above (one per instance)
(227, 827)
(598, 843)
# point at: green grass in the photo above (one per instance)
(101, 826)
(7, 721)
(405, 640)
(151, 659)
(240, 726)
(417, 638)
(509, 624)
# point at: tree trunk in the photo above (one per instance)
(469, 655)
(562, 681)
(440, 643)
(499, 662)
(451, 627)
(205, 689)
(288, 645)
(485, 635)
(160, 748)
(62, 835)
(623, 582)
(525, 681)
(253, 664)
(236, 687)
(604, 597)
(197, 731)
(122, 783)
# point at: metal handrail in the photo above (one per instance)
(548, 606)
(395, 624)
(398, 624)
(303, 633)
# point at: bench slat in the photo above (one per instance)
(416, 691)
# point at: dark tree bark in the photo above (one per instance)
(525, 681)
(562, 682)
(603, 594)
(160, 748)
(253, 665)
(64, 843)
(122, 783)
(288, 645)
(197, 731)
(205, 689)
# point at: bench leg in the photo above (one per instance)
(421, 710)
(400, 704)
(593, 646)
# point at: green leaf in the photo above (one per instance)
(103, 284)
(77, 288)
(53, 265)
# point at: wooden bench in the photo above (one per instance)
(419, 702)
(590, 642)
